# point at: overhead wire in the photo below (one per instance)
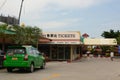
(3, 4)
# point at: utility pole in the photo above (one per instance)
(20, 12)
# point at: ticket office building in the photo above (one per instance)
(64, 45)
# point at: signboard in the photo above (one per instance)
(71, 37)
(99, 41)
(62, 42)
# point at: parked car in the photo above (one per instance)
(23, 57)
(1, 58)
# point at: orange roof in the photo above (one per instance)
(44, 40)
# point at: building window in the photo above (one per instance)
(55, 35)
(51, 35)
(48, 35)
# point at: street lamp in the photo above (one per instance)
(20, 11)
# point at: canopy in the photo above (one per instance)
(7, 32)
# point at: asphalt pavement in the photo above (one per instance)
(83, 69)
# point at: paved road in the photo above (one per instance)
(85, 69)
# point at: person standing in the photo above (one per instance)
(111, 55)
(88, 53)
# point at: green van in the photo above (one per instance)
(23, 57)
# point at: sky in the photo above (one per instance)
(87, 16)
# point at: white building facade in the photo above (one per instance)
(63, 45)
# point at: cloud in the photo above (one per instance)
(58, 25)
(77, 3)
(34, 11)
(39, 5)
(12, 6)
(108, 26)
(54, 24)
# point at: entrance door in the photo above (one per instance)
(61, 53)
(67, 52)
(54, 52)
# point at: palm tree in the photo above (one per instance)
(32, 35)
(112, 34)
(37, 32)
(26, 35)
(118, 40)
(22, 35)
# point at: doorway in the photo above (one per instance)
(60, 52)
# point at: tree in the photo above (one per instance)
(118, 40)
(37, 33)
(112, 34)
(32, 34)
(26, 35)
(20, 35)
